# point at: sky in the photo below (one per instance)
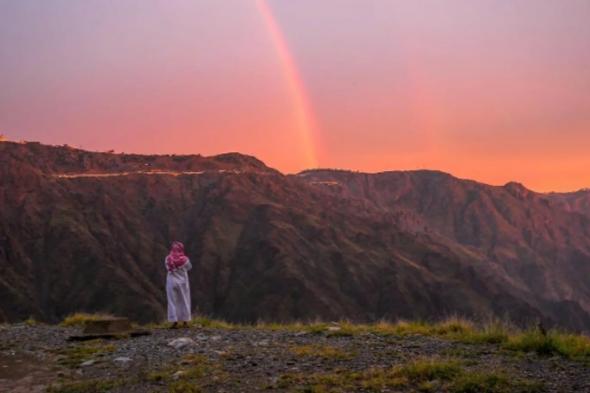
(492, 90)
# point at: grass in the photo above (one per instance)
(74, 355)
(205, 322)
(567, 345)
(195, 367)
(453, 328)
(571, 346)
(80, 319)
(31, 321)
(428, 370)
(310, 327)
(424, 375)
(194, 373)
(476, 382)
(184, 387)
(321, 351)
(456, 329)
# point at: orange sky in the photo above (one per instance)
(494, 91)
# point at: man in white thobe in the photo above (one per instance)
(177, 285)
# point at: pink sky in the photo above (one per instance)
(486, 89)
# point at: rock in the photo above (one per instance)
(178, 374)
(262, 343)
(181, 342)
(215, 338)
(87, 363)
(122, 360)
(60, 358)
(107, 325)
(334, 328)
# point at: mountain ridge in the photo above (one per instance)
(281, 247)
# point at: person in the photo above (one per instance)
(177, 285)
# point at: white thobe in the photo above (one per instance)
(179, 293)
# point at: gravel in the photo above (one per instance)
(255, 359)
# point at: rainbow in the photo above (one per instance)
(304, 116)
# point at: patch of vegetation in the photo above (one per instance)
(31, 321)
(429, 369)
(88, 386)
(194, 367)
(184, 386)
(423, 375)
(309, 327)
(454, 328)
(205, 322)
(493, 333)
(321, 351)
(74, 355)
(193, 374)
(406, 328)
(80, 319)
(316, 328)
(475, 382)
(460, 330)
(553, 343)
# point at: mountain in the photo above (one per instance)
(89, 231)
(578, 201)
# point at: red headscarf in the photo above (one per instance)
(176, 258)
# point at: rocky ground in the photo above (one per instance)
(39, 358)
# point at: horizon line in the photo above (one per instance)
(357, 171)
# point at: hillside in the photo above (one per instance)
(89, 231)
